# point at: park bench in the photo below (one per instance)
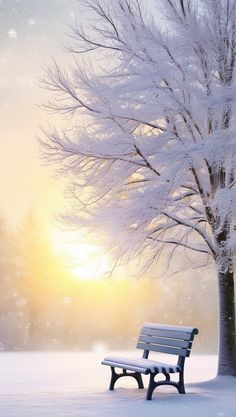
(173, 340)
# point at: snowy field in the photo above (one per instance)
(75, 384)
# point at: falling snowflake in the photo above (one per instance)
(31, 21)
(66, 300)
(72, 14)
(12, 33)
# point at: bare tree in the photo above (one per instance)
(149, 146)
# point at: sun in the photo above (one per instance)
(86, 261)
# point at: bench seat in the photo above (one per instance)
(144, 366)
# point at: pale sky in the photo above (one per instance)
(31, 32)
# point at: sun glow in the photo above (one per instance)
(86, 261)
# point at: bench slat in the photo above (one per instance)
(125, 366)
(165, 341)
(181, 328)
(166, 333)
(139, 364)
(163, 349)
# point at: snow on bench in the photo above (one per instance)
(173, 340)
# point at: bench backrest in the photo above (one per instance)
(175, 340)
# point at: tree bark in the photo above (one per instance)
(227, 340)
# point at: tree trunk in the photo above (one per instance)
(227, 340)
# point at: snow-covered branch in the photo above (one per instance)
(150, 108)
(177, 243)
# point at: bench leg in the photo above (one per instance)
(181, 388)
(153, 384)
(139, 380)
(115, 377)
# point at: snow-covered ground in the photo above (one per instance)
(75, 384)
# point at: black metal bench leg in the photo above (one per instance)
(115, 376)
(139, 380)
(167, 377)
(151, 386)
(181, 387)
